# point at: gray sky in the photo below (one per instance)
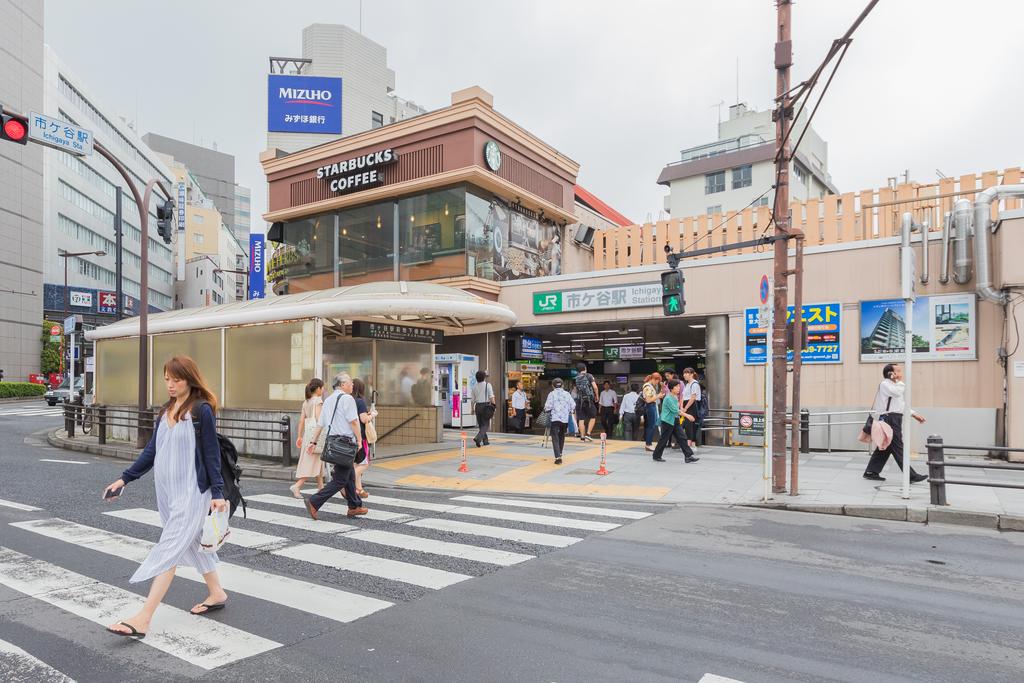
(618, 86)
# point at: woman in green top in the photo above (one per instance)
(670, 422)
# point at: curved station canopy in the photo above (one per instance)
(449, 309)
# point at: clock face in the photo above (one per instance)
(492, 155)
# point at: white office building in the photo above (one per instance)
(368, 99)
(79, 204)
(739, 167)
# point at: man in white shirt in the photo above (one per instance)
(608, 401)
(627, 414)
(340, 416)
(889, 406)
(519, 406)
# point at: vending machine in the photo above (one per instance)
(456, 376)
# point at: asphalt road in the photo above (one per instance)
(685, 592)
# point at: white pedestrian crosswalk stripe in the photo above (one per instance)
(374, 514)
(203, 642)
(21, 666)
(405, 572)
(428, 559)
(712, 678)
(31, 412)
(18, 506)
(556, 507)
(301, 595)
(236, 536)
(500, 532)
(446, 548)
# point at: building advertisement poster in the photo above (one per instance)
(824, 329)
(303, 104)
(257, 279)
(107, 302)
(944, 329)
(597, 298)
(530, 347)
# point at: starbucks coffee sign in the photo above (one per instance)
(357, 173)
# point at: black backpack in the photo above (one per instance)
(702, 406)
(230, 472)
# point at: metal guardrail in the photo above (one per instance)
(100, 419)
(937, 468)
(727, 419)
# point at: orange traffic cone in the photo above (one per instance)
(604, 445)
(464, 466)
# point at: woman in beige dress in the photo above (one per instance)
(310, 464)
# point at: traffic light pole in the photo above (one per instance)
(142, 202)
(118, 263)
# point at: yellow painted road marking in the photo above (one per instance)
(405, 462)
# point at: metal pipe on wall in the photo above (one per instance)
(982, 236)
(926, 226)
(961, 259)
(947, 231)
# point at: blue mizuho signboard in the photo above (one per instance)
(257, 271)
(303, 104)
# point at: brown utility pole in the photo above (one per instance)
(780, 217)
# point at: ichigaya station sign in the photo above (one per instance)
(358, 173)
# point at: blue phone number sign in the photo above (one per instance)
(824, 330)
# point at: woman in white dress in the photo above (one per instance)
(186, 464)
(310, 464)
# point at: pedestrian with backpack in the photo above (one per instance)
(691, 397)
(189, 486)
(586, 405)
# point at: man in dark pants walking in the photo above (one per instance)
(340, 415)
(889, 407)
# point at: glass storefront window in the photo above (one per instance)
(432, 235)
(284, 356)
(203, 346)
(366, 239)
(509, 245)
(400, 367)
(348, 355)
(306, 260)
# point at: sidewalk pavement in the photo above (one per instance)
(520, 464)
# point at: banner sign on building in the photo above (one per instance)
(182, 197)
(257, 272)
(824, 329)
(597, 298)
(944, 329)
(80, 299)
(389, 332)
(63, 135)
(530, 347)
(633, 352)
(107, 302)
(303, 104)
(357, 173)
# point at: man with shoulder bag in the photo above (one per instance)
(340, 417)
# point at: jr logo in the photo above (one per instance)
(550, 302)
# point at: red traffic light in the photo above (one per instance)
(15, 129)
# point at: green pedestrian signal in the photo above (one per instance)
(672, 301)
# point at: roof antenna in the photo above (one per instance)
(737, 80)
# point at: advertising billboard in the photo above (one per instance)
(824, 327)
(530, 347)
(303, 104)
(257, 272)
(944, 329)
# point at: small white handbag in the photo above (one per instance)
(215, 531)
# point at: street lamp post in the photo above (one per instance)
(66, 255)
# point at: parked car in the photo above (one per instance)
(61, 393)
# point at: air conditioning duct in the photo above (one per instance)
(962, 228)
(982, 235)
(584, 235)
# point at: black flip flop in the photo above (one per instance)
(209, 608)
(135, 633)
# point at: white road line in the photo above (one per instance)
(17, 506)
(411, 504)
(25, 667)
(447, 549)
(69, 462)
(557, 507)
(712, 678)
(504, 533)
(292, 502)
(203, 642)
(405, 572)
(295, 522)
(313, 598)
(236, 536)
(33, 412)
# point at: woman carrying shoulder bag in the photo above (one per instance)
(366, 416)
(310, 464)
(188, 487)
